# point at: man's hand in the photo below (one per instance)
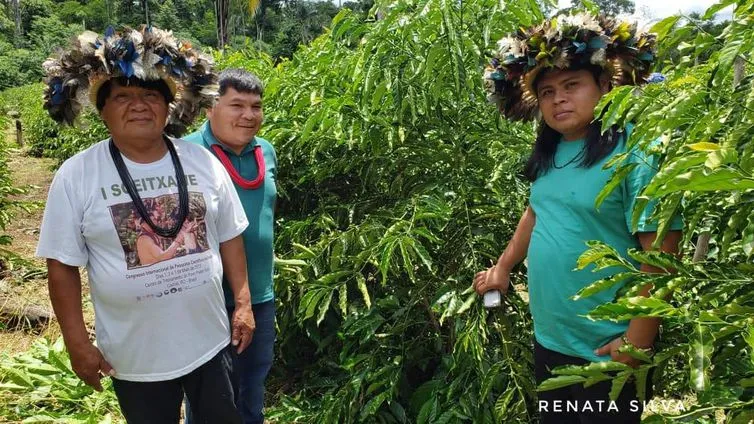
(243, 326)
(89, 365)
(612, 350)
(492, 278)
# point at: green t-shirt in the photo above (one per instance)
(259, 205)
(563, 202)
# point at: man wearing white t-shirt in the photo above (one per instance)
(161, 324)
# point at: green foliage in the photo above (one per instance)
(40, 386)
(48, 33)
(609, 7)
(396, 186)
(398, 181)
(301, 22)
(32, 9)
(43, 135)
(44, 31)
(277, 27)
(167, 17)
(704, 114)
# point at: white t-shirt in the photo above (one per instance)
(159, 310)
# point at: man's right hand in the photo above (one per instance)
(493, 278)
(89, 365)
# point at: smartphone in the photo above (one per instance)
(492, 299)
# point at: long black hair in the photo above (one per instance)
(597, 145)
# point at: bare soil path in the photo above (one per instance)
(34, 174)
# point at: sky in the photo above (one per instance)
(653, 10)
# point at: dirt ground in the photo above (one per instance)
(20, 286)
(36, 175)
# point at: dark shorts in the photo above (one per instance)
(209, 389)
(576, 404)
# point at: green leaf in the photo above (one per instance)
(615, 179)
(330, 279)
(700, 180)
(387, 253)
(670, 170)
(324, 306)
(603, 284)
(720, 5)
(601, 256)
(560, 382)
(422, 253)
(656, 258)
(619, 99)
(378, 94)
(408, 264)
(343, 300)
(663, 28)
(362, 284)
(641, 375)
(721, 157)
(398, 412)
(373, 405)
(590, 369)
(634, 307)
(428, 412)
(289, 262)
(470, 300)
(618, 383)
(700, 354)
(19, 377)
(747, 237)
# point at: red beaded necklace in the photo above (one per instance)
(235, 176)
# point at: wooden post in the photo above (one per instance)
(19, 133)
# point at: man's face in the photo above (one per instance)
(567, 100)
(236, 117)
(134, 113)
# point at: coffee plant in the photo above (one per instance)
(398, 182)
(704, 113)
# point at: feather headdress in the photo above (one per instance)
(74, 76)
(563, 42)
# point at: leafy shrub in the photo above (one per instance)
(398, 182)
(40, 386)
(705, 113)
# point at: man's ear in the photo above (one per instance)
(209, 112)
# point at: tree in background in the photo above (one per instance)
(166, 16)
(222, 15)
(609, 7)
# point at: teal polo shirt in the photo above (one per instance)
(259, 205)
(563, 202)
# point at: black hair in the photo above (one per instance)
(156, 85)
(597, 144)
(241, 81)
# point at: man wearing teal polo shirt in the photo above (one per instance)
(230, 133)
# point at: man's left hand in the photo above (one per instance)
(612, 350)
(243, 327)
